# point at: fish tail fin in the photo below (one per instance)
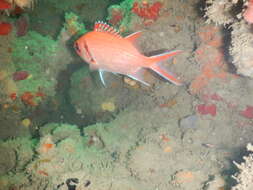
(155, 65)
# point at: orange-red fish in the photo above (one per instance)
(105, 50)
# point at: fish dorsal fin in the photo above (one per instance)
(104, 27)
(132, 37)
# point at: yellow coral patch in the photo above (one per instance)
(184, 177)
(26, 122)
(108, 106)
(167, 149)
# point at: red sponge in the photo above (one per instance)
(204, 109)
(5, 28)
(248, 112)
(4, 5)
(146, 10)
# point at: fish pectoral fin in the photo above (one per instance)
(132, 37)
(101, 72)
(139, 76)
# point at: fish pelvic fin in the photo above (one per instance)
(156, 66)
(101, 75)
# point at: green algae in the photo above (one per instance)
(72, 24)
(33, 53)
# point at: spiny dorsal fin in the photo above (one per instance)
(104, 27)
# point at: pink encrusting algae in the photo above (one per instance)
(248, 112)
(205, 109)
(20, 75)
(22, 25)
(210, 56)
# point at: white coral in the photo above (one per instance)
(242, 48)
(245, 177)
(219, 12)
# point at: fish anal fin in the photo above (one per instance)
(132, 37)
(139, 76)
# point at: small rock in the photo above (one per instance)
(215, 184)
(7, 160)
(189, 122)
